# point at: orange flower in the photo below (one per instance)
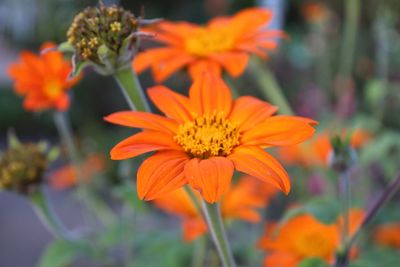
(388, 235)
(43, 79)
(204, 138)
(224, 43)
(304, 237)
(315, 12)
(316, 152)
(67, 176)
(240, 202)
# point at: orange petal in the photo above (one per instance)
(249, 111)
(161, 174)
(280, 131)
(178, 203)
(258, 163)
(137, 119)
(170, 103)
(177, 29)
(200, 67)
(146, 59)
(193, 228)
(234, 62)
(141, 143)
(165, 68)
(250, 20)
(209, 94)
(281, 259)
(211, 177)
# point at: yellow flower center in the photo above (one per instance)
(52, 89)
(314, 244)
(207, 42)
(208, 136)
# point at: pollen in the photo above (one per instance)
(314, 244)
(115, 26)
(53, 89)
(208, 136)
(97, 26)
(207, 42)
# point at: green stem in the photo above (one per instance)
(47, 215)
(346, 203)
(131, 89)
(65, 132)
(92, 202)
(212, 214)
(269, 86)
(199, 252)
(352, 13)
(390, 191)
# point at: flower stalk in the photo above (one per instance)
(346, 204)
(131, 89)
(47, 216)
(343, 257)
(269, 87)
(212, 214)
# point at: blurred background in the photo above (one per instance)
(331, 68)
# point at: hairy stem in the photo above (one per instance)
(212, 214)
(132, 90)
(47, 216)
(269, 87)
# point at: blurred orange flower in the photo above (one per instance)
(315, 12)
(43, 79)
(316, 152)
(305, 237)
(224, 43)
(388, 235)
(67, 176)
(204, 138)
(240, 202)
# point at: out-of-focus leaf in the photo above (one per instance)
(374, 92)
(61, 253)
(66, 47)
(168, 247)
(313, 262)
(325, 210)
(386, 146)
(12, 139)
(377, 257)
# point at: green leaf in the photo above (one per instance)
(325, 210)
(61, 253)
(313, 262)
(13, 141)
(78, 66)
(66, 47)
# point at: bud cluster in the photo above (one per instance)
(97, 26)
(22, 168)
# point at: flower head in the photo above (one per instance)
(224, 43)
(67, 176)
(304, 237)
(315, 12)
(240, 202)
(104, 37)
(43, 79)
(204, 138)
(22, 168)
(388, 235)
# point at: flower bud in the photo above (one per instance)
(105, 37)
(343, 156)
(22, 168)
